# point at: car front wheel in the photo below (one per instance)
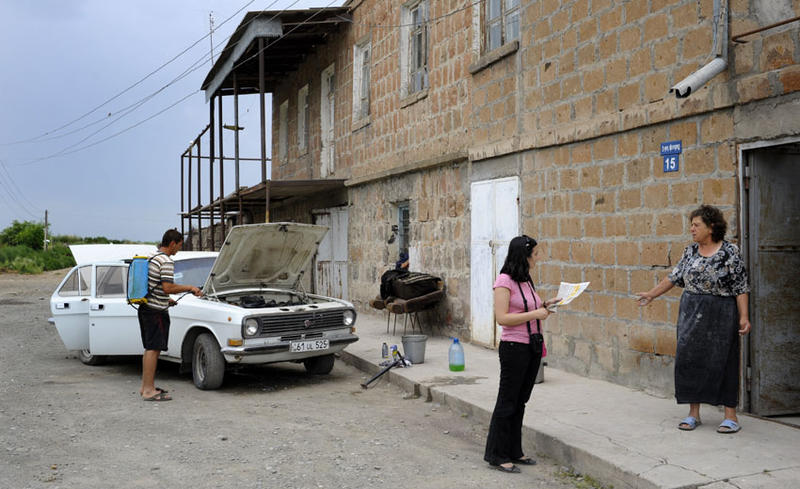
(319, 365)
(87, 358)
(208, 364)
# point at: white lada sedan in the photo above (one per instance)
(253, 311)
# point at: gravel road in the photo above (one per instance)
(68, 425)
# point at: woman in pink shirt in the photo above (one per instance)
(520, 311)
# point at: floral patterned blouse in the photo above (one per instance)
(722, 273)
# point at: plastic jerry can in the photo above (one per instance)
(456, 356)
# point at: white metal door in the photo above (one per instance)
(113, 323)
(494, 221)
(70, 308)
(330, 264)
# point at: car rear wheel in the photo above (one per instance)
(319, 365)
(208, 364)
(87, 358)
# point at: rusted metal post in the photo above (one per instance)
(211, 169)
(183, 234)
(236, 142)
(221, 171)
(189, 200)
(261, 91)
(199, 194)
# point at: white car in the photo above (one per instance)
(253, 310)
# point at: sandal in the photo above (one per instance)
(525, 461)
(728, 426)
(691, 423)
(158, 397)
(509, 470)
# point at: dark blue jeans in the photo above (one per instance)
(519, 364)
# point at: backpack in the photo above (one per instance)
(138, 279)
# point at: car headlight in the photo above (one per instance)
(251, 327)
(349, 317)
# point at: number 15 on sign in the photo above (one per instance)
(670, 163)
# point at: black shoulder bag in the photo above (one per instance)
(536, 339)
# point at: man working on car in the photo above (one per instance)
(154, 316)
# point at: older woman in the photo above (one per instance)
(713, 315)
(520, 311)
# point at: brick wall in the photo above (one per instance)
(583, 99)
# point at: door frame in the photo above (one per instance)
(743, 176)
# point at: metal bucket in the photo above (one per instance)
(414, 347)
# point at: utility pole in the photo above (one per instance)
(211, 34)
(45, 229)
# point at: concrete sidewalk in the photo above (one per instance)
(617, 435)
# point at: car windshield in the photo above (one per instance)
(193, 271)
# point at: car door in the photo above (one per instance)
(113, 323)
(70, 308)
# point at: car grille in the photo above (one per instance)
(300, 323)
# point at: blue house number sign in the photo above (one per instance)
(671, 151)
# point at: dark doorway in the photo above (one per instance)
(773, 249)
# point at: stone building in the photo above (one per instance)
(466, 123)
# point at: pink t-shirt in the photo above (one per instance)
(519, 333)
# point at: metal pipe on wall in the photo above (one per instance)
(696, 80)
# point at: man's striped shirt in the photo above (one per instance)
(161, 269)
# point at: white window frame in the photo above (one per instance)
(302, 120)
(327, 115)
(414, 47)
(283, 131)
(362, 67)
(501, 23)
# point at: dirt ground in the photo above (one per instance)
(68, 425)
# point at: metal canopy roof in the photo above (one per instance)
(279, 190)
(301, 30)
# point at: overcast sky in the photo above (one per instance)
(60, 59)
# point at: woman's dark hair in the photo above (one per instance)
(713, 218)
(516, 264)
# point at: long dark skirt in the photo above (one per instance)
(707, 357)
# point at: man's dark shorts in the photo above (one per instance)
(154, 325)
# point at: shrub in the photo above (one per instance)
(27, 233)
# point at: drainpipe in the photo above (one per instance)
(693, 82)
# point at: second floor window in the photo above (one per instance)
(361, 76)
(418, 47)
(283, 131)
(502, 22)
(302, 120)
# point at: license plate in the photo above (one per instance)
(313, 345)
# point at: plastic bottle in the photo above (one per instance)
(384, 351)
(456, 356)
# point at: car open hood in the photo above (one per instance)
(271, 255)
(89, 253)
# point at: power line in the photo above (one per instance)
(131, 108)
(130, 87)
(197, 65)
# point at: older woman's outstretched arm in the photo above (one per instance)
(645, 298)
